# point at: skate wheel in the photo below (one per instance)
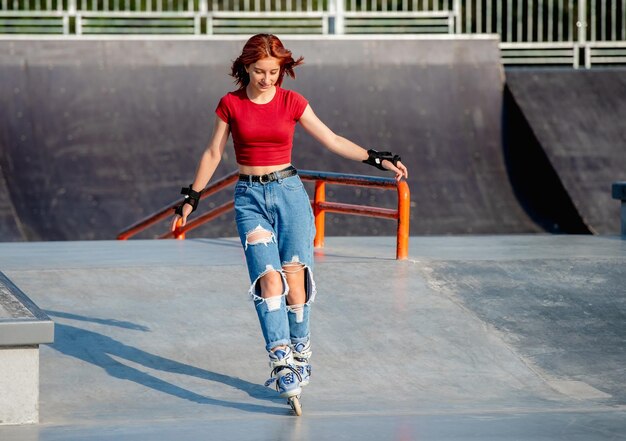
(294, 402)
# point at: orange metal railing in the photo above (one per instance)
(319, 204)
(168, 211)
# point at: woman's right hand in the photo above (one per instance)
(187, 209)
(399, 169)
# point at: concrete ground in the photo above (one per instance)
(472, 338)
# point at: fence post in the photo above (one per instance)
(339, 10)
(78, 24)
(458, 18)
(581, 24)
(320, 196)
(66, 24)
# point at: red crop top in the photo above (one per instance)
(262, 133)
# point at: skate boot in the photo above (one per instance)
(286, 377)
(284, 373)
(301, 354)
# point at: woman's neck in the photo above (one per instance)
(259, 97)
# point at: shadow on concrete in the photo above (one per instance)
(99, 350)
(107, 322)
(220, 242)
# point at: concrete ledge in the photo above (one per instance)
(23, 326)
(21, 321)
(19, 385)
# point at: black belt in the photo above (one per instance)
(274, 176)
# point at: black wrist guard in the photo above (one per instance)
(192, 198)
(376, 158)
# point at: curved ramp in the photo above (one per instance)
(578, 119)
(97, 134)
(9, 225)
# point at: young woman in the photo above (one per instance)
(273, 212)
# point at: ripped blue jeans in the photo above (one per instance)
(282, 209)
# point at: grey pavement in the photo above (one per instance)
(472, 338)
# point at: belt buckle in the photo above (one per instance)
(261, 181)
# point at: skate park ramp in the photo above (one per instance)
(576, 120)
(472, 338)
(96, 134)
(9, 225)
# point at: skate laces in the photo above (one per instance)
(281, 360)
(287, 378)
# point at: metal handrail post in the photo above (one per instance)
(177, 233)
(320, 214)
(404, 215)
(200, 220)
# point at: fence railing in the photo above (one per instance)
(573, 32)
(319, 204)
(568, 32)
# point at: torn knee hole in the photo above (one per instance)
(269, 281)
(292, 268)
(259, 236)
(271, 284)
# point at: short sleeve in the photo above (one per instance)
(223, 111)
(298, 104)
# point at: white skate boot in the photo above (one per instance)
(286, 376)
(301, 354)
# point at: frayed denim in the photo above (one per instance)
(276, 228)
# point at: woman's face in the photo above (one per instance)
(264, 73)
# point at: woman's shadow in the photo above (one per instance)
(99, 349)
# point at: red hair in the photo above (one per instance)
(262, 46)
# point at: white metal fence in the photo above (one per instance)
(567, 32)
(546, 20)
(572, 32)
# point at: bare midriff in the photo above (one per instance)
(261, 169)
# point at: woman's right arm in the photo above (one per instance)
(208, 163)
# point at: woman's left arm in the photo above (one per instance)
(340, 145)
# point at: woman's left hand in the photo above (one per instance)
(400, 170)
